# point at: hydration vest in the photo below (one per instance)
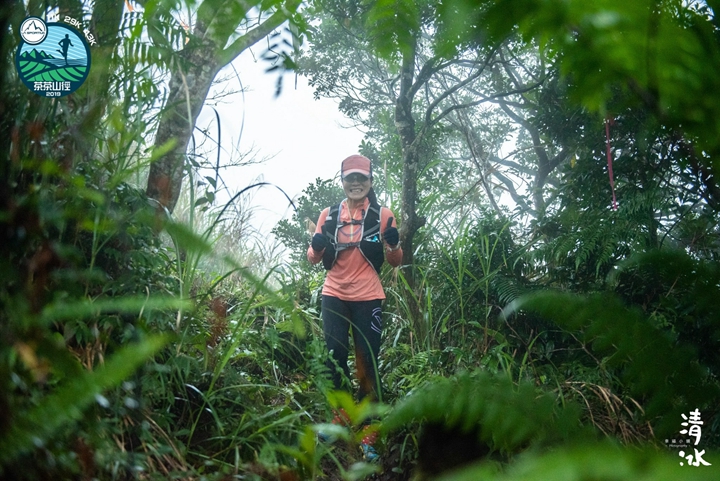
(370, 245)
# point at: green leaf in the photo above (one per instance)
(35, 426)
(652, 364)
(501, 414)
(129, 304)
(358, 471)
(393, 24)
(592, 462)
(187, 239)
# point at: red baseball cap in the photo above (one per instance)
(356, 163)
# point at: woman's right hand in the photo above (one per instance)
(319, 242)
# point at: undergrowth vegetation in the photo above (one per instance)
(563, 343)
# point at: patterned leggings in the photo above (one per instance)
(365, 317)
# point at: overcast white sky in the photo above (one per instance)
(306, 138)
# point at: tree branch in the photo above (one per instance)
(511, 190)
(256, 34)
(427, 71)
(455, 88)
(452, 108)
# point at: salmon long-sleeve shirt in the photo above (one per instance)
(352, 278)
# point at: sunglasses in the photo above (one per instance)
(355, 177)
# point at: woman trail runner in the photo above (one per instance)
(353, 239)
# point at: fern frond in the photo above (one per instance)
(507, 288)
(653, 365)
(502, 414)
(592, 462)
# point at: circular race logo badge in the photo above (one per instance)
(54, 63)
(33, 30)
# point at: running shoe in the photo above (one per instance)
(341, 418)
(367, 446)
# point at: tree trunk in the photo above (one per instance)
(405, 125)
(189, 86)
(200, 61)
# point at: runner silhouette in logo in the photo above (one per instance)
(65, 44)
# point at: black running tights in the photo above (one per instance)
(365, 317)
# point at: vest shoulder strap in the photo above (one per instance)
(372, 221)
(331, 221)
(333, 213)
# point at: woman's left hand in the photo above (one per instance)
(391, 234)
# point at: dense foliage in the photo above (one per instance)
(541, 332)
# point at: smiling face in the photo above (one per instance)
(356, 186)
